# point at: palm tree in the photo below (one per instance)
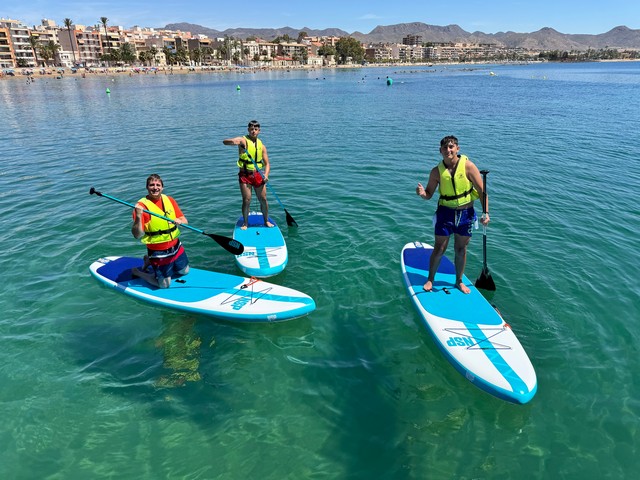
(207, 52)
(153, 51)
(104, 21)
(168, 55)
(33, 41)
(127, 53)
(54, 48)
(68, 23)
(49, 51)
(45, 54)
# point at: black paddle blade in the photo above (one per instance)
(229, 244)
(93, 190)
(485, 281)
(290, 221)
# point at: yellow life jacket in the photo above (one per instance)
(158, 230)
(255, 150)
(456, 190)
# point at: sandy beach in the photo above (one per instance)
(58, 72)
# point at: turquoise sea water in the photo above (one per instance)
(95, 385)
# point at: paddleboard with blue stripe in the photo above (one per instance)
(226, 297)
(468, 330)
(265, 251)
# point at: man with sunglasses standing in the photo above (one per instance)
(250, 150)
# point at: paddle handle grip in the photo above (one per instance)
(484, 174)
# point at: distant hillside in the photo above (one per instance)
(266, 33)
(544, 39)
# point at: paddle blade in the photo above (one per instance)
(290, 221)
(229, 244)
(485, 281)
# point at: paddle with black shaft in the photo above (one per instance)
(229, 244)
(484, 281)
(290, 221)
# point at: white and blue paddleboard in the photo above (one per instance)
(468, 329)
(265, 251)
(219, 295)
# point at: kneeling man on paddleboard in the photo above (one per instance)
(459, 183)
(165, 254)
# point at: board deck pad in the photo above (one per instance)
(227, 297)
(468, 330)
(265, 251)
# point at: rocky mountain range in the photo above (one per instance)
(543, 39)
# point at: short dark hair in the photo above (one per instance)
(446, 140)
(253, 123)
(154, 176)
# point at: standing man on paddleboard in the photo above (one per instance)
(459, 183)
(252, 152)
(165, 253)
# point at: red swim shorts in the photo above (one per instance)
(251, 177)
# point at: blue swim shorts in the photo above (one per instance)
(450, 220)
(170, 266)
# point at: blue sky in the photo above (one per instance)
(566, 16)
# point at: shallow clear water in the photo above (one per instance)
(96, 385)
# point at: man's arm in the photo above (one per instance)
(428, 191)
(137, 230)
(240, 141)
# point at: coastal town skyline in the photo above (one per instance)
(571, 17)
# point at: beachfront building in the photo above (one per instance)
(44, 35)
(410, 53)
(155, 44)
(94, 46)
(20, 52)
(7, 59)
(201, 51)
(258, 51)
(135, 40)
(412, 40)
(328, 40)
(380, 53)
(89, 46)
(147, 44)
(297, 52)
(109, 40)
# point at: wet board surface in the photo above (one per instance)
(467, 329)
(226, 297)
(265, 251)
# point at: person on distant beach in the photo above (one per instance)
(459, 183)
(165, 254)
(251, 149)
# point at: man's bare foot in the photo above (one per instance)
(269, 224)
(428, 286)
(244, 227)
(462, 287)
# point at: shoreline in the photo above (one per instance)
(60, 72)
